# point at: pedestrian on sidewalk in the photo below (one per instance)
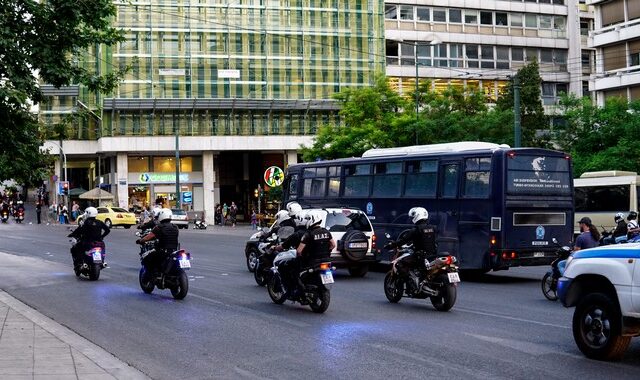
(38, 210)
(225, 213)
(254, 219)
(75, 211)
(233, 212)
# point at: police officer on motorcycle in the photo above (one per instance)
(153, 222)
(619, 232)
(91, 232)
(423, 237)
(166, 234)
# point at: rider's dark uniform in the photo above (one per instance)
(423, 237)
(89, 234)
(166, 234)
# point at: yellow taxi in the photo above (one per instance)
(113, 216)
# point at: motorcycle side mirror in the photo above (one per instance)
(138, 234)
(387, 235)
(554, 240)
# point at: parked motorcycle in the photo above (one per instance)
(19, 216)
(4, 217)
(170, 273)
(91, 262)
(313, 286)
(266, 254)
(437, 280)
(199, 224)
(550, 279)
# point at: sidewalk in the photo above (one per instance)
(33, 346)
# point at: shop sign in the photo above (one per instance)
(187, 197)
(172, 72)
(162, 177)
(229, 74)
(273, 176)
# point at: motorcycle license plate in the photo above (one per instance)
(327, 278)
(538, 254)
(97, 255)
(185, 264)
(454, 277)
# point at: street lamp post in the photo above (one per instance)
(177, 130)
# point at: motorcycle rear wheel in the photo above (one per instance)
(447, 297)
(548, 285)
(393, 288)
(180, 291)
(320, 302)
(94, 272)
(147, 286)
(277, 297)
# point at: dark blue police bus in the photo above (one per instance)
(495, 207)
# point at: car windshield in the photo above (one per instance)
(338, 221)
(178, 212)
(118, 209)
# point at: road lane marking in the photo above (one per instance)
(511, 318)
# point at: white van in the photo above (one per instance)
(600, 195)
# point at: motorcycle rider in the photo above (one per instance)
(153, 221)
(633, 230)
(423, 237)
(619, 232)
(91, 233)
(167, 235)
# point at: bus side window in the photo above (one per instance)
(421, 178)
(357, 181)
(293, 186)
(476, 177)
(449, 183)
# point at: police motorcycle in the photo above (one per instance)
(199, 224)
(550, 279)
(18, 214)
(5, 216)
(171, 272)
(437, 280)
(267, 254)
(92, 260)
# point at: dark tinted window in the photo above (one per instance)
(102, 210)
(476, 177)
(449, 186)
(602, 198)
(421, 178)
(342, 221)
(538, 175)
(118, 209)
(357, 186)
(293, 186)
(314, 187)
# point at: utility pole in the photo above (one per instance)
(517, 127)
(415, 57)
(176, 127)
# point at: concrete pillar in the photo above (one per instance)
(574, 55)
(290, 158)
(208, 185)
(122, 172)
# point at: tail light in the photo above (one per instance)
(373, 241)
(448, 260)
(325, 266)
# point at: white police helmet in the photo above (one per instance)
(90, 212)
(619, 216)
(300, 218)
(293, 208)
(313, 218)
(417, 214)
(281, 216)
(164, 214)
(155, 212)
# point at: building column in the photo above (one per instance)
(208, 185)
(290, 158)
(122, 173)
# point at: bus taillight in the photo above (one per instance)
(509, 256)
(493, 240)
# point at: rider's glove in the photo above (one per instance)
(139, 241)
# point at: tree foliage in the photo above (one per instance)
(38, 42)
(600, 138)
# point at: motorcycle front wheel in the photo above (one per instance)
(447, 297)
(393, 288)
(145, 284)
(321, 300)
(259, 275)
(180, 291)
(277, 296)
(94, 272)
(548, 287)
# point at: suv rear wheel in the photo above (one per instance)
(597, 327)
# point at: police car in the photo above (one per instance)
(603, 284)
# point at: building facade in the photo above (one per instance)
(616, 40)
(480, 44)
(242, 82)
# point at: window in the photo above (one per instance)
(470, 17)
(532, 53)
(517, 54)
(516, 19)
(455, 16)
(357, 181)
(602, 198)
(476, 181)
(501, 19)
(293, 186)
(422, 14)
(472, 55)
(487, 60)
(502, 57)
(388, 179)
(559, 23)
(634, 52)
(341, 222)
(439, 15)
(391, 12)
(441, 52)
(530, 20)
(486, 18)
(584, 27)
(314, 187)
(406, 12)
(546, 55)
(455, 55)
(449, 184)
(545, 22)
(421, 178)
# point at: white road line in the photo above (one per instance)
(524, 320)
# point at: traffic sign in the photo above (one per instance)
(273, 176)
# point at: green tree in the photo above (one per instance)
(600, 138)
(38, 40)
(534, 122)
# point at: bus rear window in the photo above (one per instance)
(538, 175)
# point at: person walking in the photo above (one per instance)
(75, 211)
(233, 212)
(254, 219)
(225, 213)
(38, 211)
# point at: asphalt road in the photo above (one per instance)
(227, 327)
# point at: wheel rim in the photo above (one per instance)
(596, 328)
(390, 287)
(252, 260)
(548, 290)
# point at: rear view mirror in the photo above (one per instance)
(387, 235)
(554, 240)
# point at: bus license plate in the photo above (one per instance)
(538, 254)
(327, 278)
(453, 277)
(185, 264)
